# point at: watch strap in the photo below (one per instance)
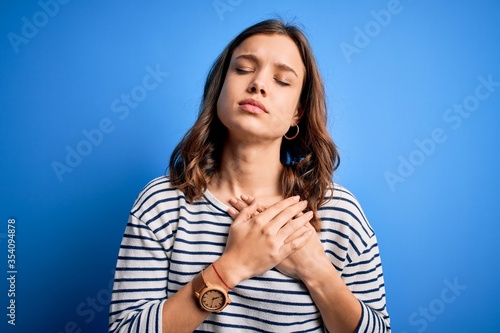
(199, 284)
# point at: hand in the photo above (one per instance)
(339, 308)
(301, 263)
(258, 242)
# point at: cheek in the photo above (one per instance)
(223, 105)
(290, 106)
(225, 95)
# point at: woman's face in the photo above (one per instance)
(259, 100)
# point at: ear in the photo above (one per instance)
(297, 116)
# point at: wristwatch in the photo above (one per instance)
(212, 298)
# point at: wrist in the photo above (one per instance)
(227, 272)
(211, 277)
(318, 273)
(220, 277)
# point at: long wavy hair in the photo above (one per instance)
(309, 160)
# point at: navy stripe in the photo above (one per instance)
(197, 253)
(139, 269)
(159, 215)
(140, 237)
(272, 301)
(349, 226)
(145, 279)
(137, 290)
(223, 212)
(261, 320)
(371, 270)
(140, 201)
(151, 184)
(375, 279)
(141, 248)
(272, 291)
(363, 226)
(133, 300)
(142, 258)
(270, 310)
(192, 232)
(251, 328)
(180, 240)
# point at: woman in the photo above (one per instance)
(248, 233)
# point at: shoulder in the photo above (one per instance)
(340, 197)
(158, 191)
(342, 211)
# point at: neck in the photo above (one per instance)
(249, 169)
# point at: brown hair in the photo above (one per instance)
(309, 160)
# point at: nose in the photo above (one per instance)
(257, 86)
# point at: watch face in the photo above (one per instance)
(213, 300)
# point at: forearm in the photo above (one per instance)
(339, 308)
(343, 302)
(182, 312)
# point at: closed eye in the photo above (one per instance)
(241, 70)
(282, 83)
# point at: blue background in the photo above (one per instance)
(390, 84)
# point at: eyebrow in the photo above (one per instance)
(281, 66)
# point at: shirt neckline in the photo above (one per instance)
(216, 203)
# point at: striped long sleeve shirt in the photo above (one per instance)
(168, 241)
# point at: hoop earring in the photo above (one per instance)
(296, 133)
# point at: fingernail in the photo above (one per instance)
(296, 198)
(244, 197)
(231, 211)
(233, 201)
(309, 214)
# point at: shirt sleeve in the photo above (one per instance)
(364, 277)
(140, 283)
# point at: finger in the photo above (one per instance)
(296, 244)
(248, 199)
(299, 214)
(233, 212)
(273, 211)
(299, 232)
(239, 204)
(245, 214)
(286, 215)
(295, 224)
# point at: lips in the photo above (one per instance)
(252, 105)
